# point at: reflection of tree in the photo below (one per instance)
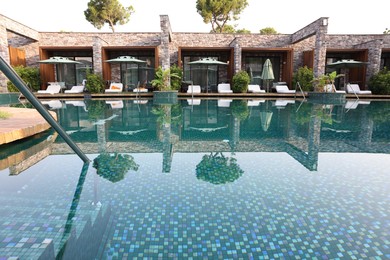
(218, 169)
(323, 112)
(96, 109)
(168, 116)
(113, 167)
(240, 112)
(240, 109)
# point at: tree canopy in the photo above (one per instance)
(112, 12)
(219, 12)
(268, 30)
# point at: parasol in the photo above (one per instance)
(267, 73)
(346, 64)
(126, 60)
(57, 60)
(207, 62)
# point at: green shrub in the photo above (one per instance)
(164, 79)
(4, 115)
(29, 75)
(379, 83)
(305, 77)
(240, 82)
(176, 80)
(95, 83)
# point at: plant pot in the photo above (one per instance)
(165, 97)
(327, 98)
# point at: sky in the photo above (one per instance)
(285, 16)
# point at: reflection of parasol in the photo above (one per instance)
(208, 129)
(267, 73)
(265, 118)
(346, 64)
(207, 62)
(58, 61)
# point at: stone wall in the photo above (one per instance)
(18, 35)
(312, 37)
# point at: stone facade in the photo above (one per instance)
(311, 38)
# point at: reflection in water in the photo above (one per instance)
(19, 156)
(236, 191)
(301, 129)
(114, 167)
(218, 169)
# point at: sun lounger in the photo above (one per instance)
(51, 89)
(75, 89)
(224, 88)
(140, 90)
(114, 88)
(355, 89)
(193, 89)
(255, 89)
(331, 88)
(284, 89)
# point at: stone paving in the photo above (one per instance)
(23, 123)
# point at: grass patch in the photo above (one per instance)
(4, 115)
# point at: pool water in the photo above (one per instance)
(202, 180)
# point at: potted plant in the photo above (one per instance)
(325, 91)
(165, 93)
(240, 82)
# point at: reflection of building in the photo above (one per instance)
(206, 127)
(27, 153)
(310, 45)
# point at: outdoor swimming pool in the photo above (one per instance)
(200, 179)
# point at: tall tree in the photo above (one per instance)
(219, 12)
(100, 12)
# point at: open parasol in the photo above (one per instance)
(346, 64)
(126, 60)
(208, 62)
(57, 60)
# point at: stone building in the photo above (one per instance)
(310, 46)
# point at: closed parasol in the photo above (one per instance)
(268, 73)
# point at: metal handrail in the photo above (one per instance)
(10, 73)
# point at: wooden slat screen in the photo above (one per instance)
(17, 56)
